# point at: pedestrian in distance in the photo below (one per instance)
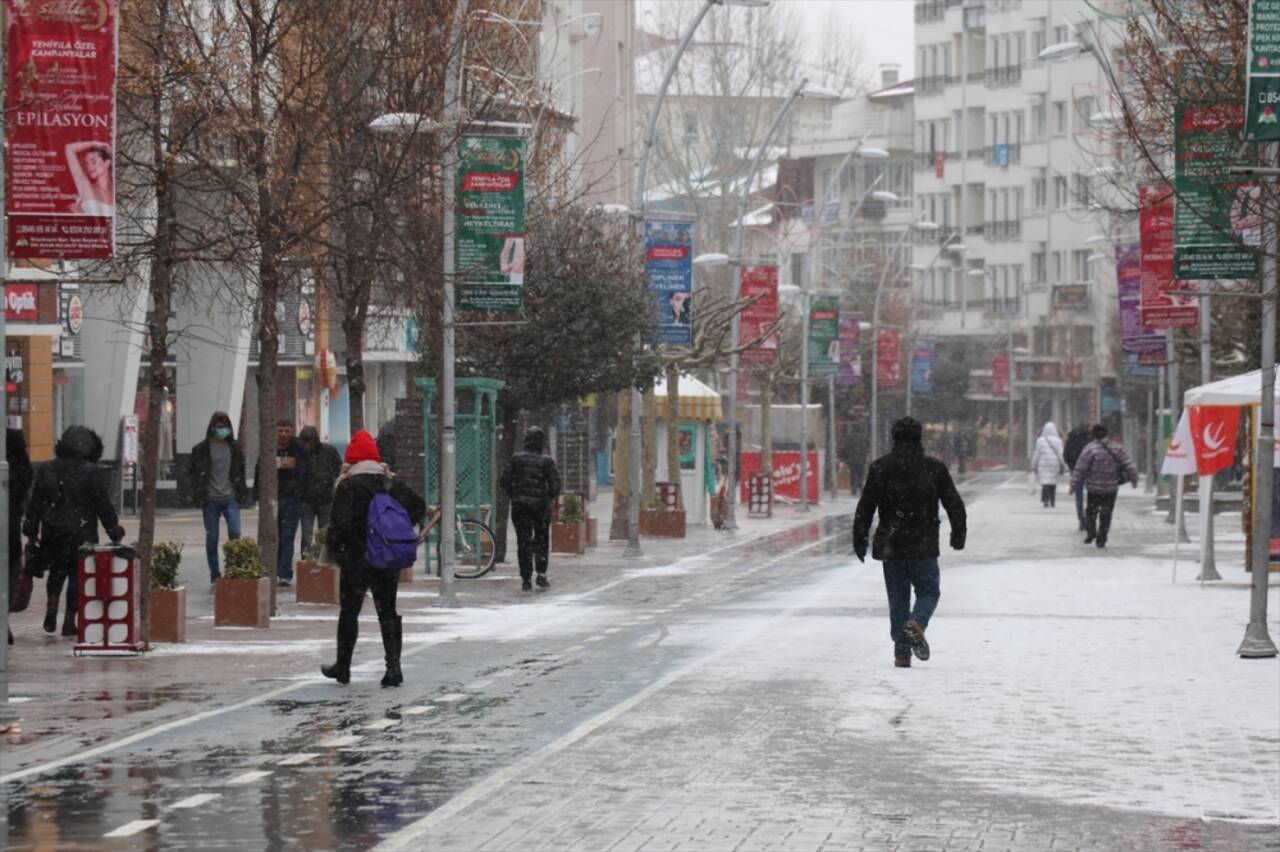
(1100, 470)
(69, 498)
(20, 476)
(323, 464)
(531, 482)
(218, 485)
(905, 488)
(1077, 440)
(1048, 464)
(291, 490)
(373, 513)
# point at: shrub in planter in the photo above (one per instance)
(569, 532)
(657, 521)
(316, 583)
(242, 598)
(168, 599)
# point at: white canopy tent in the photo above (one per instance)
(1244, 389)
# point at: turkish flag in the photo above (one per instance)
(1213, 430)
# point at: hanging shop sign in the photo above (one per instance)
(1218, 225)
(759, 283)
(20, 302)
(489, 230)
(888, 358)
(75, 314)
(824, 335)
(1135, 338)
(1000, 374)
(1071, 297)
(850, 373)
(60, 118)
(1263, 98)
(668, 251)
(1160, 308)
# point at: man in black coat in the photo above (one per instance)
(1077, 439)
(532, 483)
(20, 476)
(905, 487)
(68, 499)
(323, 466)
(218, 484)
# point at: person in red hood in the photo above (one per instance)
(364, 475)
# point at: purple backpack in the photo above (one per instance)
(390, 542)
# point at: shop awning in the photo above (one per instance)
(1245, 389)
(697, 400)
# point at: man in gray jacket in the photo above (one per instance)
(1100, 470)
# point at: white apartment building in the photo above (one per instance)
(1007, 149)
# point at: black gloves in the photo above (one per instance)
(957, 540)
(116, 534)
(860, 548)
(35, 565)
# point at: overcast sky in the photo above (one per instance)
(885, 27)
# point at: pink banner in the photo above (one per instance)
(889, 358)
(759, 283)
(850, 373)
(1000, 374)
(60, 128)
(786, 475)
(1160, 309)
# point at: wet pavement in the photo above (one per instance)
(735, 698)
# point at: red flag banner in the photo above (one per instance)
(759, 283)
(888, 358)
(1000, 374)
(1159, 308)
(60, 127)
(1213, 431)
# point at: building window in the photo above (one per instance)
(1084, 111)
(691, 126)
(1083, 192)
(1057, 267)
(797, 270)
(1039, 117)
(1080, 265)
(1039, 192)
(1061, 197)
(1039, 270)
(1059, 118)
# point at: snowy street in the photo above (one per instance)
(741, 698)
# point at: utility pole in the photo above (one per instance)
(1208, 571)
(7, 714)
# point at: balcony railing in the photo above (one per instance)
(1003, 155)
(930, 11)
(1005, 75)
(1000, 229)
(928, 86)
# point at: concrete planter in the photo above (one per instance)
(316, 583)
(662, 524)
(242, 603)
(569, 538)
(168, 615)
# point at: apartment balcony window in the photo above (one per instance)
(929, 86)
(975, 17)
(1005, 75)
(930, 11)
(1003, 155)
(977, 229)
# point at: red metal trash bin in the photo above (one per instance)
(109, 601)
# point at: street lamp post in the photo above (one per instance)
(911, 317)
(638, 206)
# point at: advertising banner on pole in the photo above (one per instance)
(850, 373)
(824, 335)
(922, 367)
(759, 283)
(888, 358)
(60, 119)
(1160, 309)
(1134, 336)
(668, 252)
(489, 234)
(1261, 122)
(1000, 374)
(1213, 432)
(1218, 225)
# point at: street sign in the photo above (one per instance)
(1263, 99)
(489, 234)
(824, 335)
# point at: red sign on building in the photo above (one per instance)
(60, 118)
(20, 302)
(1160, 308)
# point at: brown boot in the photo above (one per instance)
(902, 662)
(919, 645)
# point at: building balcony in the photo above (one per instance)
(1006, 75)
(975, 17)
(1003, 229)
(930, 11)
(1003, 155)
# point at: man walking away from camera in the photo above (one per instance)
(905, 487)
(323, 466)
(532, 483)
(1100, 470)
(1077, 440)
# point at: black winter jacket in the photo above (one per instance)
(21, 475)
(531, 478)
(1077, 439)
(71, 495)
(345, 537)
(905, 487)
(202, 463)
(323, 466)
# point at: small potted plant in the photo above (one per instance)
(659, 521)
(317, 583)
(168, 599)
(569, 531)
(242, 597)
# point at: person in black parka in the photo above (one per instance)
(20, 476)
(532, 483)
(1077, 439)
(363, 476)
(69, 497)
(905, 487)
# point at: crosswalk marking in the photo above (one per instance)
(382, 724)
(250, 777)
(297, 759)
(131, 828)
(196, 801)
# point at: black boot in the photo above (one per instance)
(348, 629)
(526, 583)
(54, 590)
(391, 639)
(69, 617)
(543, 582)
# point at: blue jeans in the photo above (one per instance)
(290, 512)
(213, 510)
(900, 576)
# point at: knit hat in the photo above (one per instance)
(362, 448)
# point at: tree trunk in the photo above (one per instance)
(648, 456)
(502, 504)
(619, 523)
(353, 329)
(673, 432)
(265, 478)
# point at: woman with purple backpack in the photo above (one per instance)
(370, 537)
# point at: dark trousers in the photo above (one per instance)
(900, 577)
(290, 512)
(1097, 519)
(352, 585)
(1080, 504)
(63, 563)
(1049, 494)
(533, 536)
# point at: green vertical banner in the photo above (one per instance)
(489, 228)
(1218, 223)
(824, 335)
(1261, 122)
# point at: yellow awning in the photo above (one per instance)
(697, 400)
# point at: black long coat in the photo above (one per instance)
(905, 487)
(71, 495)
(345, 536)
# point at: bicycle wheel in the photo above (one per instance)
(474, 550)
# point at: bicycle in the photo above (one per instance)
(474, 550)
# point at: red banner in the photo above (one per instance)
(759, 283)
(1159, 308)
(20, 302)
(1213, 431)
(889, 358)
(786, 475)
(60, 128)
(1000, 374)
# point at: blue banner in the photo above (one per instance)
(922, 367)
(668, 251)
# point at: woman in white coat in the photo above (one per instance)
(1047, 463)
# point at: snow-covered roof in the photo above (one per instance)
(756, 218)
(905, 88)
